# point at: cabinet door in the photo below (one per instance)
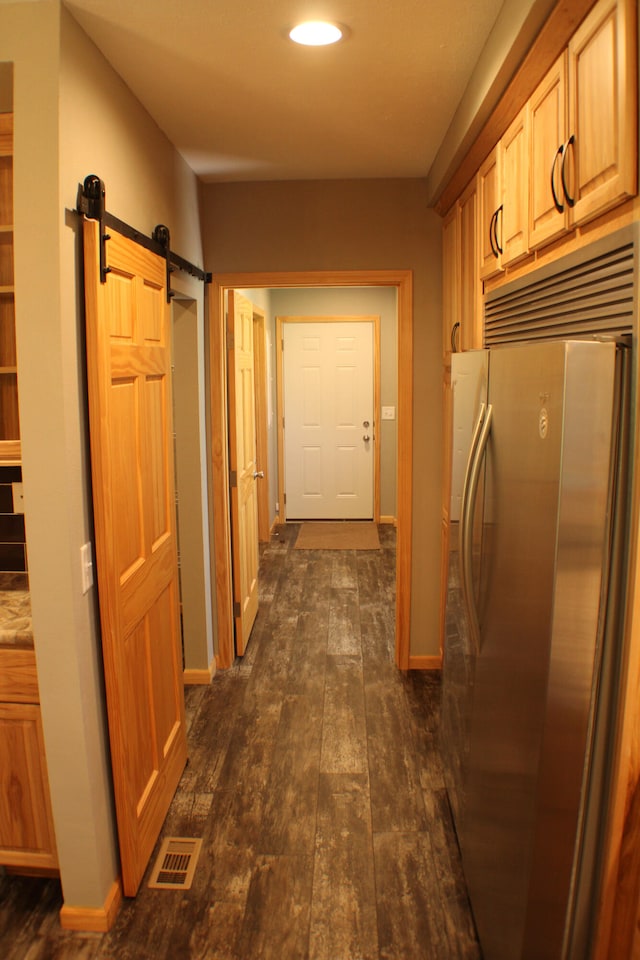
(489, 191)
(450, 279)
(514, 232)
(9, 420)
(603, 109)
(548, 209)
(470, 295)
(26, 831)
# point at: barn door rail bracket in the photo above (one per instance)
(91, 203)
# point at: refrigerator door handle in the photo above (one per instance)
(470, 490)
(464, 501)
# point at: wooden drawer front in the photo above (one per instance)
(18, 677)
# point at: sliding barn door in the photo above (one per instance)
(129, 374)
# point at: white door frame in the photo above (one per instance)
(375, 320)
(403, 281)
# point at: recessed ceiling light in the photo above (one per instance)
(316, 33)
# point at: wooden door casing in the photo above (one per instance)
(129, 380)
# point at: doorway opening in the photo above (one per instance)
(402, 280)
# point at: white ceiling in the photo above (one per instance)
(241, 102)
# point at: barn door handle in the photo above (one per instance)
(258, 474)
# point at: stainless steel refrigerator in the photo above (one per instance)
(535, 460)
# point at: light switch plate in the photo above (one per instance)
(388, 413)
(86, 565)
(18, 498)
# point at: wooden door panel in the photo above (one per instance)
(157, 433)
(242, 463)
(129, 369)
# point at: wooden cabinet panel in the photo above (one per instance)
(470, 293)
(450, 279)
(461, 287)
(603, 109)
(489, 193)
(9, 419)
(514, 232)
(26, 832)
(548, 218)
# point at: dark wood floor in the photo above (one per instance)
(315, 781)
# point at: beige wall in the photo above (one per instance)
(350, 225)
(73, 116)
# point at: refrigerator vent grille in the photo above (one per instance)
(593, 295)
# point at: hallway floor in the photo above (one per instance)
(315, 781)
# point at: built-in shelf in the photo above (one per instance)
(7, 289)
(8, 370)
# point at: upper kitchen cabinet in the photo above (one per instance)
(570, 154)
(470, 291)
(450, 283)
(462, 291)
(490, 213)
(9, 423)
(512, 233)
(582, 121)
(548, 212)
(601, 157)
(504, 201)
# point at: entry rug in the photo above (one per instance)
(338, 535)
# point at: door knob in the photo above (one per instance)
(365, 424)
(258, 473)
(366, 437)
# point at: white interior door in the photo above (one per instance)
(328, 420)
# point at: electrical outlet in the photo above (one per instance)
(86, 565)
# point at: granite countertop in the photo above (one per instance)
(15, 611)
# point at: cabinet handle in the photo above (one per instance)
(499, 212)
(492, 235)
(496, 249)
(559, 153)
(454, 331)
(571, 201)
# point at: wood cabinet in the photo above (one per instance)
(603, 117)
(470, 288)
(450, 282)
(513, 233)
(503, 192)
(548, 213)
(583, 126)
(462, 291)
(570, 154)
(9, 421)
(27, 838)
(489, 200)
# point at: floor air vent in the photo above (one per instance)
(175, 864)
